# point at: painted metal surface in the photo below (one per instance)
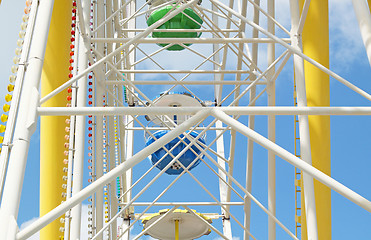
(55, 72)
(316, 45)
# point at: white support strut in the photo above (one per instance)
(78, 163)
(331, 111)
(116, 172)
(364, 21)
(305, 147)
(295, 161)
(25, 123)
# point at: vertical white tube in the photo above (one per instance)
(128, 121)
(251, 124)
(99, 92)
(4, 157)
(111, 131)
(364, 21)
(26, 122)
(223, 188)
(271, 127)
(217, 77)
(305, 150)
(72, 138)
(78, 163)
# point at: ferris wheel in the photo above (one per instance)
(159, 118)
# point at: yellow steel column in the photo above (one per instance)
(369, 4)
(316, 45)
(52, 129)
(176, 229)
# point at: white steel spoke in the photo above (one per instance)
(295, 51)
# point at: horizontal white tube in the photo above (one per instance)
(179, 30)
(183, 203)
(184, 71)
(108, 111)
(167, 82)
(189, 40)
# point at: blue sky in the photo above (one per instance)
(350, 136)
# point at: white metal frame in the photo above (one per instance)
(119, 52)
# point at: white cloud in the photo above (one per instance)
(233, 238)
(345, 39)
(282, 13)
(36, 236)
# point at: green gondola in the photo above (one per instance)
(187, 19)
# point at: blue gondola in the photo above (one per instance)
(186, 159)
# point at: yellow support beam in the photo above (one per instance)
(52, 129)
(176, 229)
(316, 45)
